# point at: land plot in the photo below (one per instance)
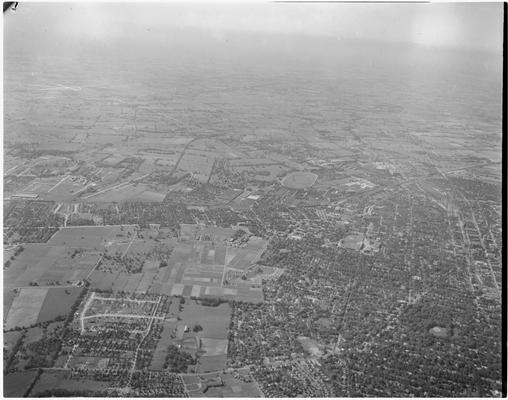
(63, 190)
(33, 335)
(145, 282)
(103, 280)
(51, 380)
(93, 237)
(199, 163)
(267, 173)
(353, 242)
(205, 233)
(159, 354)
(214, 320)
(241, 258)
(212, 363)
(30, 256)
(252, 295)
(214, 347)
(43, 264)
(299, 180)
(17, 383)
(58, 302)
(132, 283)
(25, 307)
(39, 186)
(237, 383)
(111, 306)
(9, 296)
(10, 340)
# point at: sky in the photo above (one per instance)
(445, 25)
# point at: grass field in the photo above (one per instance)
(234, 385)
(202, 232)
(17, 383)
(129, 192)
(58, 302)
(299, 180)
(91, 237)
(45, 264)
(33, 334)
(25, 307)
(214, 347)
(353, 242)
(59, 380)
(9, 296)
(10, 339)
(214, 320)
(212, 363)
(34, 305)
(159, 355)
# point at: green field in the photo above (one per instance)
(91, 237)
(45, 264)
(9, 296)
(299, 180)
(50, 380)
(234, 385)
(34, 305)
(58, 302)
(17, 383)
(25, 307)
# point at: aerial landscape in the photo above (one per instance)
(197, 203)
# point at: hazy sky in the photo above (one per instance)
(466, 25)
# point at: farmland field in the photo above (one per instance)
(9, 296)
(58, 302)
(214, 320)
(25, 307)
(159, 355)
(299, 180)
(10, 339)
(234, 385)
(91, 237)
(60, 380)
(45, 264)
(17, 383)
